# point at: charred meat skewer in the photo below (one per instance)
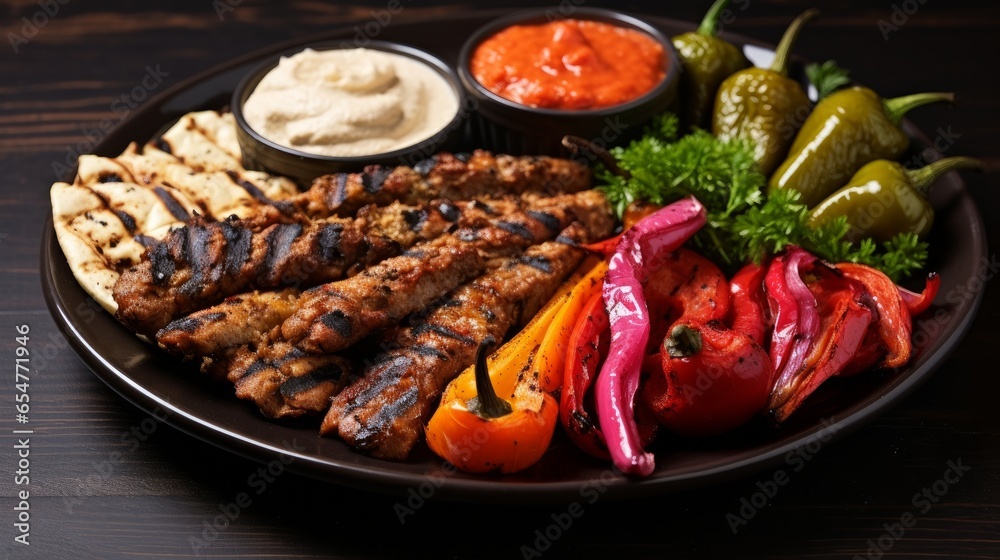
(454, 177)
(237, 321)
(283, 381)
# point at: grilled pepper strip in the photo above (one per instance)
(639, 250)
(471, 429)
(764, 106)
(846, 312)
(918, 303)
(894, 325)
(706, 60)
(845, 130)
(713, 379)
(586, 349)
(884, 199)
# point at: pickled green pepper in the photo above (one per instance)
(706, 60)
(764, 106)
(884, 199)
(845, 130)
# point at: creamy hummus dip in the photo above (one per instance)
(350, 102)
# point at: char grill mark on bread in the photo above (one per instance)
(446, 176)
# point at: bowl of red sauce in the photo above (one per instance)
(537, 76)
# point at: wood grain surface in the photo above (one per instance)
(108, 482)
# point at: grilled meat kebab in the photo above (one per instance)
(450, 176)
(283, 381)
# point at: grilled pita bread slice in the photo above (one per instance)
(217, 194)
(219, 128)
(96, 242)
(102, 218)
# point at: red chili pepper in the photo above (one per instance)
(636, 254)
(712, 380)
(845, 315)
(749, 312)
(604, 247)
(587, 346)
(892, 330)
(918, 303)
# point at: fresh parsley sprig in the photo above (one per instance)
(827, 77)
(742, 224)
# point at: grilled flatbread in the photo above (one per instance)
(114, 204)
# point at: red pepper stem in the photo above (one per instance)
(684, 341)
(710, 25)
(923, 178)
(783, 52)
(487, 404)
(897, 107)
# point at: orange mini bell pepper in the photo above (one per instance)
(500, 414)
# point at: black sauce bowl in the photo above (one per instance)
(262, 154)
(507, 126)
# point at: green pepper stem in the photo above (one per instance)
(783, 52)
(486, 404)
(923, 178)
(710, 25)
(683, 341)
(897, 107)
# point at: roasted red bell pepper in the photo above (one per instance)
(640, 250)
(709, 378)
(712, 380)
(685, 287)
(846, 311)
(605, 247)
(748, 311)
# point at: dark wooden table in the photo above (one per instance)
(96, 491)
